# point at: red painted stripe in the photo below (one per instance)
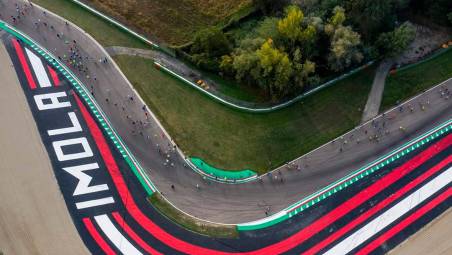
(356, 200)
(277, 248)
(97, 237)
(127, 198)
(23, 62)
(54, 76)
(337, 234)
(134, 235)
(405, 223)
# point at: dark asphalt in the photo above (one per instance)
(221, 202)
(249, 240)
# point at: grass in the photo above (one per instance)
(104, 32)
(233, 90)
(411, 81)
(229, 139)
(174, 21)
(190, 223)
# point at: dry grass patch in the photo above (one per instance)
(171, 21)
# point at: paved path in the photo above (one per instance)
(33, 216)
(119, 50)
(376, 93)
(158, 56)
(172, 63)
(222, 202)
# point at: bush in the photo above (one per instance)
(211, 41)
(395, 42)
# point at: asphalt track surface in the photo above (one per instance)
(221, 202)
(110, 210)
(33, 215)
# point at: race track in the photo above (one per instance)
(108, 204)
(110, 210)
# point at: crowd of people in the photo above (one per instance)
(82, 64)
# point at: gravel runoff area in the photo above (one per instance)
(33, 215)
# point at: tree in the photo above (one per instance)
(338, 17)
(208, 46)
(276, 69)
(372, 16)
(290, 25)
(210, 41)
(292, 29)
(243, 62)
(268, 28)
(395, 42)
(335, 21)
(247, 68)
(344, 49)
(302, 71)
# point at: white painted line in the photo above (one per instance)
(39, 69)
(115, 236)
(392, 214)
(95, 202)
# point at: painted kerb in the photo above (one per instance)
(150, 188)
(94, 107)
(348, 180)
(221, 175)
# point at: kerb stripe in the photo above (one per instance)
(134, 235)
(337, 234)
(97, 237)
(276, 248)
(23, 62)
(39, 69)
(54, 76)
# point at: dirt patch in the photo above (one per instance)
(433, 239)
(171, 21)
(427, 40)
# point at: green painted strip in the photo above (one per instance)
(348, 180)
(138, 175)
(220, 173)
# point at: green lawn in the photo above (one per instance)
(104, 32)
(229, 139)
(411, 81)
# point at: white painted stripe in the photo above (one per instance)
(392, 214)
(94, 202)
(39, 69)
(115, 236)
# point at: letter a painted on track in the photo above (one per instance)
(54, 102)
